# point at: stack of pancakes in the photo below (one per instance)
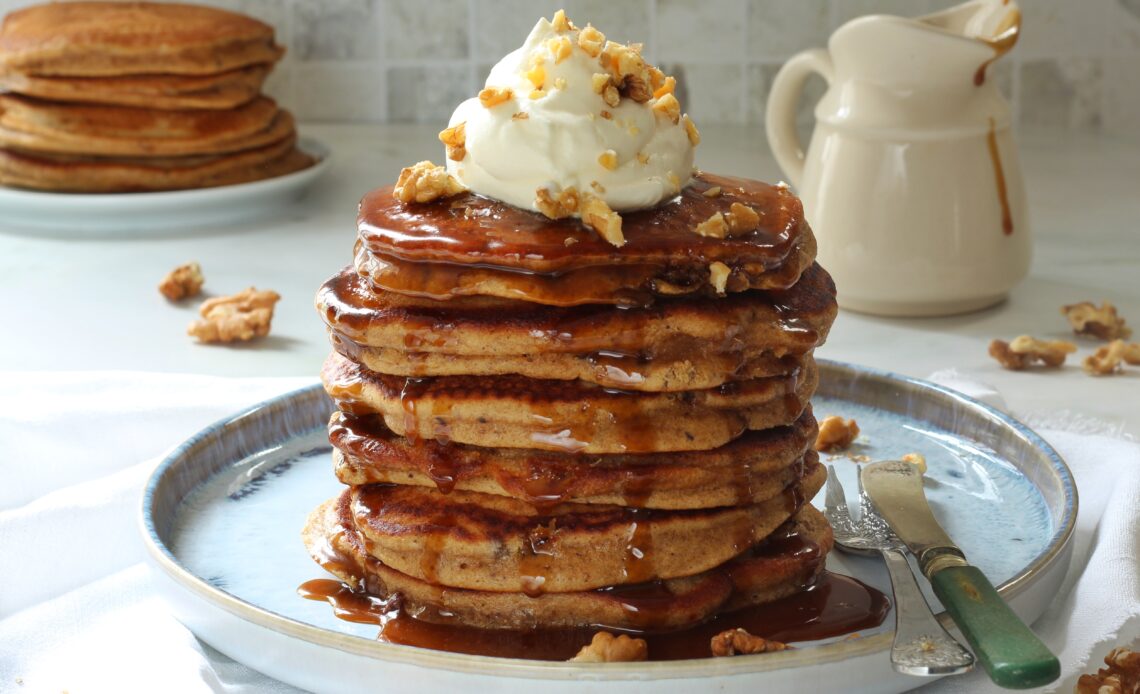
(540, 430)
(115, 97)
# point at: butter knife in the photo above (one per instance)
(1011, 654)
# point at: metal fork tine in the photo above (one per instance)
(836, 499)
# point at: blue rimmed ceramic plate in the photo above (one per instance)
(222, 517)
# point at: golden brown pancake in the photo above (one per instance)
(760, 575)
(519, 254)
(79, 174)
(170, 92)
(752, 468)
(38, 126)
(129, 38)
(673, 345)
(569, 416)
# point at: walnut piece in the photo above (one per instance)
(669, 107)
(713, 192)
(493, 96)
(740, 642)
(1024, 351)
(1100, 322)
(1122, 676)
(608, 159)
(741, 219)
(559, 48)
(591, 41)
(181, 282)
(715, 226)
(691, 130)
(718, 276)
(836, 434)
(607, 648)
(598, 216)
(560, 22)
(455, 139)
(1107, 359)
(242, 316)
(564, 205)
(916, 459)
(425, 182)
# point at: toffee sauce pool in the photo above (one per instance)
(834, 605)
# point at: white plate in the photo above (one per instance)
(139, 213)
(222, 518)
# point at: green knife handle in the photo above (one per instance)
(1012, 655)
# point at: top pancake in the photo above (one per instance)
(472, 230)
(113, 38)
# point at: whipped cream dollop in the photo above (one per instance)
(570, 111)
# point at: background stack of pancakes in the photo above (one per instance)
(113, 97)
(541, 430)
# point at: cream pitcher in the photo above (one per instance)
(911, 181)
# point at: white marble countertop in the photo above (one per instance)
(88, 302)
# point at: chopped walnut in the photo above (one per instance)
(521, 115)
(604, 84)
(1024, 351)
(668, 86)
(537, 94)
(564, 205)
(669, 107)
(425, 182)
(718, 276)
(916, 459)
(559, 48)
(741, 219)
(537, 76)
(643, 157)
(591, 40)
(715, 226)
(598, 216)
(561, 22)
(243, 316)
(1100, 322)
(740, 642)
(691, 130)
(1122, 676)
(608, 159)
(836, 434)
(455, 139)
(629, 70)
(1107, 359)
(181, 282)
(493, 96)
(607, 648)
(713, 192)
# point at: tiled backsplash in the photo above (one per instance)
(1077, 65)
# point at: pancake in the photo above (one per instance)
(79, 174)
(568, 416)
(752, 468)
(512, 250)
(34, 125)
(763, 574)
(223, 90)
(94, 39)
(746, 325)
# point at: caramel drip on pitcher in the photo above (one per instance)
(1005, 36)
(999, 176)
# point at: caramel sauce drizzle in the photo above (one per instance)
(999, 176)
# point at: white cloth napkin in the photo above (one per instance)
(77, 612)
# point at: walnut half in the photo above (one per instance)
(240, 317)
(740, 642)
(424, 182)
(181, 282)
(1106, 360)
(1122, 676)
(607, 648)
(1100, 322)
(836, 434)
(1024, 351)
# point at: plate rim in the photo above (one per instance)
(162, 557)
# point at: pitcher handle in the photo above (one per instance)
(784, 96)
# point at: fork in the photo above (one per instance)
(922, 646)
